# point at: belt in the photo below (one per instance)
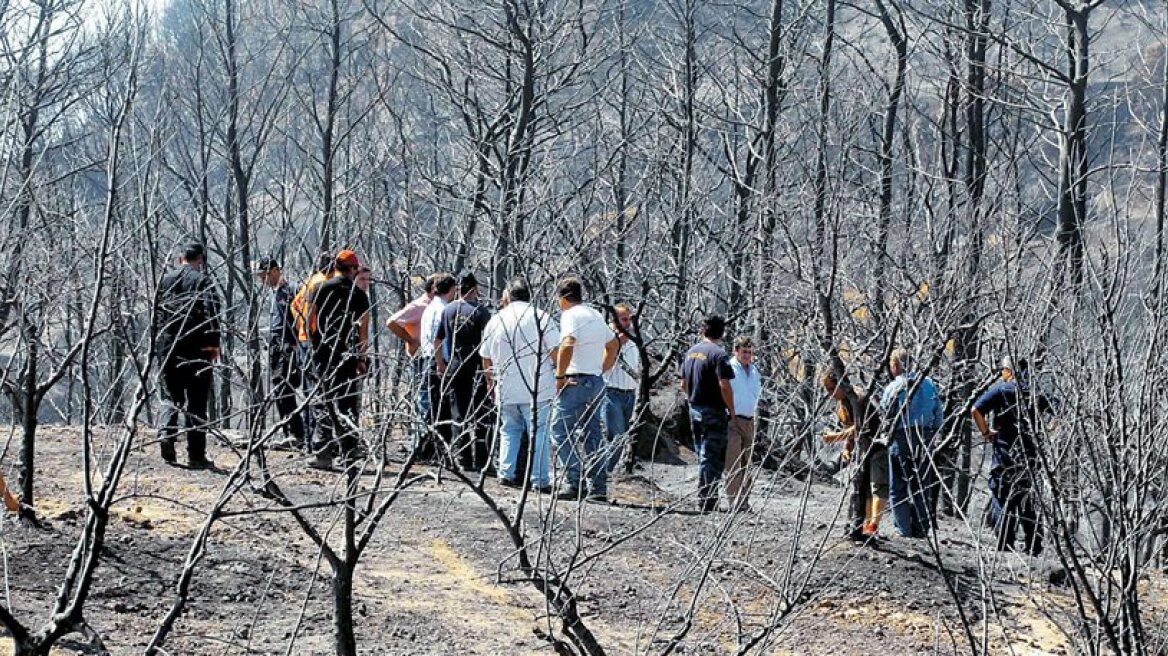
(744, 417)
(581, 375)
(621, 389)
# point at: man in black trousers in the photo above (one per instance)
(458, 361)
(283, 354)
(340, 343)
(186, 329)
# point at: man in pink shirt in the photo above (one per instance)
(406, 323)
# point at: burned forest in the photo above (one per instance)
(583, 327)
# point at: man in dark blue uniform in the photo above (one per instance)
(705, 379)
(1016, 410)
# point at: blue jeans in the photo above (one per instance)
(576, 433)
(420, 370)
(514, 421)
(618, 417)
(911, 478)
(710, 427)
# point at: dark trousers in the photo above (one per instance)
(710, 431)
(186, 391)
(309, 387)
(287, 377)
(1012, 505)
(337, 411)
(862, 486)
(470, 410)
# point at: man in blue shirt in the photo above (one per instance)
(913, 409)
(283, 354)
(705, 380)
(747, 387)
(1015, 409)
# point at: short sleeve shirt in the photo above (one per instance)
(704, 368)
(1015, 416)
(592, 334)
(428, 331)
(461, 331)
(519, 340)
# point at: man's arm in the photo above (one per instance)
(611, 351)
(363, 343)
(404, 335)
(563, 359)
(489, 374)
(210, 302)
(727, 394)
(983, 427)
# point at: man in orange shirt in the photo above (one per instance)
(302, 314)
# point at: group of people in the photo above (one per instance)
(893, 445)
(317, 343)
(508, 391)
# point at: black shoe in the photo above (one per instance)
(323, 463)
(547, 489)
(167, 448)
(857, 536)
(569, 494)
(200, 463)
(509, 482)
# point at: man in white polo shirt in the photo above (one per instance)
(588, 348)
(747, 386)
(516, 351)
(437, 404)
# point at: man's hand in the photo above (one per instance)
(846, 456)
(990, 436)
(562, 382)
(212, 353)
(362, 367)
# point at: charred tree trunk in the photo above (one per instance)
(241, 180)
(823, 265)
(328, 130)
(1072, 184)
(894, 28)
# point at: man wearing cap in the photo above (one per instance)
(458, 360)
(283, 353)
(186, 329)
(340, 314)
(587, 349)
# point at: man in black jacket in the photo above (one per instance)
(186, 329)
(340, 315)
(283, 354)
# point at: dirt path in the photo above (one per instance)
(440, 576)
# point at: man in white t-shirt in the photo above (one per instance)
(436, 404)
(517, 346)
(588, 348)
(621, 382)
